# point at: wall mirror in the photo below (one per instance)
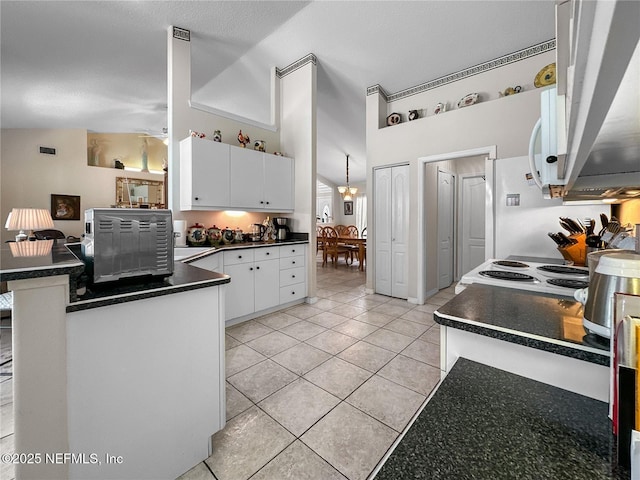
(139, 193)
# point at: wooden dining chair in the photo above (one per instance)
(319, 238)
(332, 248)
(341, 229)
(351, 231)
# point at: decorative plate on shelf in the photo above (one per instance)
(546, 76)
(467, 100)
(441, 107)
(394, 119)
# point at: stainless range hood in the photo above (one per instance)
(603, 147)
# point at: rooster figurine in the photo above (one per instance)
(243, 139)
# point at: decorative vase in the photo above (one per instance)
(196, 235)
(217, 136)
(214, 235)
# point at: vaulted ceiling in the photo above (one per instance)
(101, 65)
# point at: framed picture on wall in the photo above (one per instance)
(348, 207)
(65, 207)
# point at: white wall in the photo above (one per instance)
(28, 178)
(504, 122)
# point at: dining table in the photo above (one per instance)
(361, 243)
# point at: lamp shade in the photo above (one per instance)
(29, 219)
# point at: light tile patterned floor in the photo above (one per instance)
(315, 391)
(322, 391)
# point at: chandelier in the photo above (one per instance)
(347, 192)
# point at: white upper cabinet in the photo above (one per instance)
(217, 176)
(204, 174)
(261, 181)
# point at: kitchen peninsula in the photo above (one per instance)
(144, 362)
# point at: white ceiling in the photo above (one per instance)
(101, 65)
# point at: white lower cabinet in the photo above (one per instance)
(261, 277)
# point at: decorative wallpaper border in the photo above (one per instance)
(182, 34)
(468, 72)
(310, 58)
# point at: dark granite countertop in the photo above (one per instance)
(59, 261)
(538, 320)
(487, 424)
(302, 239)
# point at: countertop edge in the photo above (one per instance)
(221, 248)
(520, 338)
(158, 292)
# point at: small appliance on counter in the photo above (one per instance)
(282, 229)
(257, 232)
(617, 272)
(121, 243)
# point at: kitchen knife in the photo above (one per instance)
(566, 226)
(555, 238)
(567, 241)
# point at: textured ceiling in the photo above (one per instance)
(101, 65)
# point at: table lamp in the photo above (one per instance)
(28, 219)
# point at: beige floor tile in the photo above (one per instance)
(239, 358)
(438, 300)
(301, 358)
(272, 343)
(328, 319)
(344, 297)
(324, 293)
(303, 311)
(199, 472)
(427, 307)
(236, 402)
(400, 302)
(364, 302)
(338, 377)
(374, 318)
(298, 462)
(247, 331)
(331, 342)
(246, 444)
(367, 356)
(299, 405)
(412, 374)
(356, 329)
(348, 310)
(419, 316)
(278, 320)
(424, 352)
(303, 330)
(326, 304)
(396, 342)
(261, 380)
(391, 309)
(350, 440)
(432, 335)
(230, 342)
(407, 327)
(392, 404)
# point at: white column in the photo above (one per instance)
(40, 372)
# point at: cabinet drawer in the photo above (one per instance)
(291, 250)
(291, 276)
(293, 292)
(291, 262)
(234, 257)
(266, 253)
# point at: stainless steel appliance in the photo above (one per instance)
(124, 243)
(257, 232)
(282, 229)
(615, 273)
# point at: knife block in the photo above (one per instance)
(576, 253)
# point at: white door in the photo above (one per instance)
(400, 231)
(382, 224)
(445, 228)
(472, 236)
(391, 222)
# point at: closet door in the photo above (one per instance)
(400, 231)
(382, 223)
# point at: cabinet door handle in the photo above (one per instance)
(293, 276)
(261, 202)
(293, 251)
(197, 198)
(239, 256)
(250, 268)
(267, 203)
(293, 262)
(293, 293)
(268, 253)
(257, 268)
